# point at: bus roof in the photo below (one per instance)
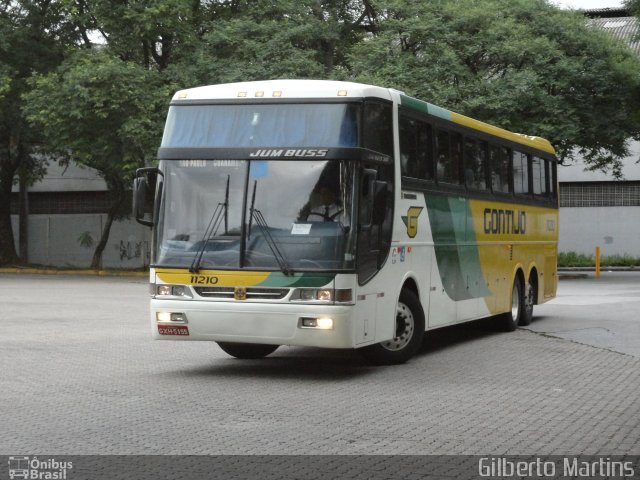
(283, 89)
(335, 89)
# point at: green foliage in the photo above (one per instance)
(100, 111)
(523, 65)
(633, 6)
(573, 259)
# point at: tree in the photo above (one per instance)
(102, 112)
(32, 39)
(277, 39)
(103, 106)
(523, 65)
(633, 6)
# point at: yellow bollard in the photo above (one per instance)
(597, 261)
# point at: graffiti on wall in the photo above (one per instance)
(132, 249)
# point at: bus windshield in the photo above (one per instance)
(264, 125)
(296, 214)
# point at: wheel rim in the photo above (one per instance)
(405, 325)
(515, 303)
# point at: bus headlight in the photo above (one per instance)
(328, 295)
(172, 291)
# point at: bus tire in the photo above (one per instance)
(529, 302)
(409, 334)
(247, 351)
(511, 319)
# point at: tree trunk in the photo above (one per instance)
(8, 254)
(23, 229)
(96, 262)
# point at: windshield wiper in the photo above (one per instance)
(265, 230)
(220, 213)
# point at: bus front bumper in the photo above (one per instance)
(267, 323)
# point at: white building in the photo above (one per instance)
(67, 214)
(596, 209)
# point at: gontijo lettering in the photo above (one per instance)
(504, 221)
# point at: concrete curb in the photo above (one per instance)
(84, 272)
(602, 269)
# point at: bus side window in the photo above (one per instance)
(475, 159)
(539, 176)
(520, 172)
(449, 155)
(499, 161)
(415, 149)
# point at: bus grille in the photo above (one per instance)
(252, 293)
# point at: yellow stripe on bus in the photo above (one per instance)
(220, 278)
(534, 142)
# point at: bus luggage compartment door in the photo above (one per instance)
(365, 318)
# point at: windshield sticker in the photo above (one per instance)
(192, 163)
(259, 168)
(301, 229)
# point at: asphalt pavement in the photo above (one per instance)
(81, 375)
(603, 312)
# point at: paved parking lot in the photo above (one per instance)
(80, 375)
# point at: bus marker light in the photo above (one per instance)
(277, 93)
(343, 295)
(323, 323)
(242, 94)
(342, 93)
(259, 94)
(176, 317)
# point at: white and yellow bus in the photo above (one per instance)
(341, 215)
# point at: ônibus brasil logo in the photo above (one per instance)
(28, 468)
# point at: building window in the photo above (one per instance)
(600, 194)
(54, 203)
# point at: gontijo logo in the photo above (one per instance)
(35, 469)
(411, 220)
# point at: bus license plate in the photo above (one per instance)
(179, 330)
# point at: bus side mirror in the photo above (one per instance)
(143, 195)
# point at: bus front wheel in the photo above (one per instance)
(247, 351)
(408, 334)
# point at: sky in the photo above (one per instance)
(587, 4)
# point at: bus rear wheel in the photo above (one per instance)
(529, 301)
(247, 351)
(511, 319)
(408, 335)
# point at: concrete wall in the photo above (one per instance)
(54, 241)
(615, 229)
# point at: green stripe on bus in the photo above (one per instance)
(455, 247)
(278, 279)
(425, 107)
